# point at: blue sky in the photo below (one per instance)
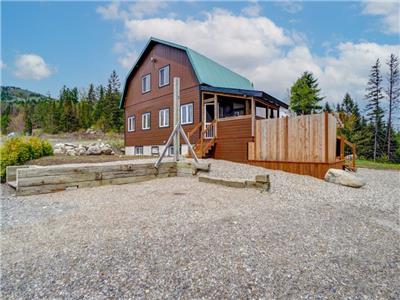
(48, 44)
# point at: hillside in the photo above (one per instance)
(16, 94)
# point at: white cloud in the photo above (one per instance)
(2, 65)
(31, 66)
(110, 11)
(270, 56)
(137, 10)
(389, 11)
(291, 7)
(146, 8)
(252, 10)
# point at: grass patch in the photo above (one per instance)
(362, 163)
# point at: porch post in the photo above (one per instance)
(253, 115)
(216, 110)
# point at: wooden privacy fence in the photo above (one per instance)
(310, 138)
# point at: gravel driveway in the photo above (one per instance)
(178, 238)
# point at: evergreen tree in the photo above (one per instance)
(304, 95)
(68, 118)
(327, 107)
(5, 116)
(374, 111)
(28, 126)
(393, 93)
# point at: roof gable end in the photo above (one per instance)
(207, 71)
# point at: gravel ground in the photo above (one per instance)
(178, 238)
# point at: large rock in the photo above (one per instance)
(93, 150)
(71, 152)
(58, 151)
(344, 178)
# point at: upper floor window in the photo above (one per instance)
(146, 121)
(163, 117)
(187, 113)
(163, 76)
(131, 123)
(146, 82)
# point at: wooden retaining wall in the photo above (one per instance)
(39, 180)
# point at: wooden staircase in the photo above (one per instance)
(207, 140)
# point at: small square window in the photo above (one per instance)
(146, 121)
(163, 76)
(155, 150)
(139, 150)
(146, 83)
(131, 123)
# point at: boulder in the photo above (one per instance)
(93, 150)
(58, 151)
(71, 152)
(59, 146)
(343, 178)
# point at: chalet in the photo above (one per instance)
(218, 106)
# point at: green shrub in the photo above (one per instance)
(17, 151)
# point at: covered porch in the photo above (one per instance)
(228, 116)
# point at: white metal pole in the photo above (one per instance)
(177, 108)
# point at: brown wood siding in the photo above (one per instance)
(315, 169)
(156, 135)
(137, 103)
(232, 139)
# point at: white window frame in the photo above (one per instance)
(153, 152)
(131, 123)
(163, 118)
(137, 148)
(146, 117)
(144, 79)
(166, 71)
(187, 113)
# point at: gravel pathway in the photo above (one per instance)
(178, 238)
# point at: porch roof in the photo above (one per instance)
(263, 96)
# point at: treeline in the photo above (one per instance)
(97, 108)
(371, 129)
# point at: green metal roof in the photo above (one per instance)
(207, 71)
(211, 73)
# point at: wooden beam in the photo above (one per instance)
(177, 103)
(326, 125)
(253, 115)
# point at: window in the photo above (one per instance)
(146, 83)
(146, 121)
(163, 118)
(163, 76)
(131, 123)
(155, 150)
(187, 114)
(139, 150)
(171, 150)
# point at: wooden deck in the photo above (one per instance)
(306, 145)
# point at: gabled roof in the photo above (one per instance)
(208, 72)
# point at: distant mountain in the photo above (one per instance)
(16, 94)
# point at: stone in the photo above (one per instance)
(59, 145)
(58, 151)
(343, 178)
(106, 151)
(71, 152)
(262, 178)
(93, 150)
